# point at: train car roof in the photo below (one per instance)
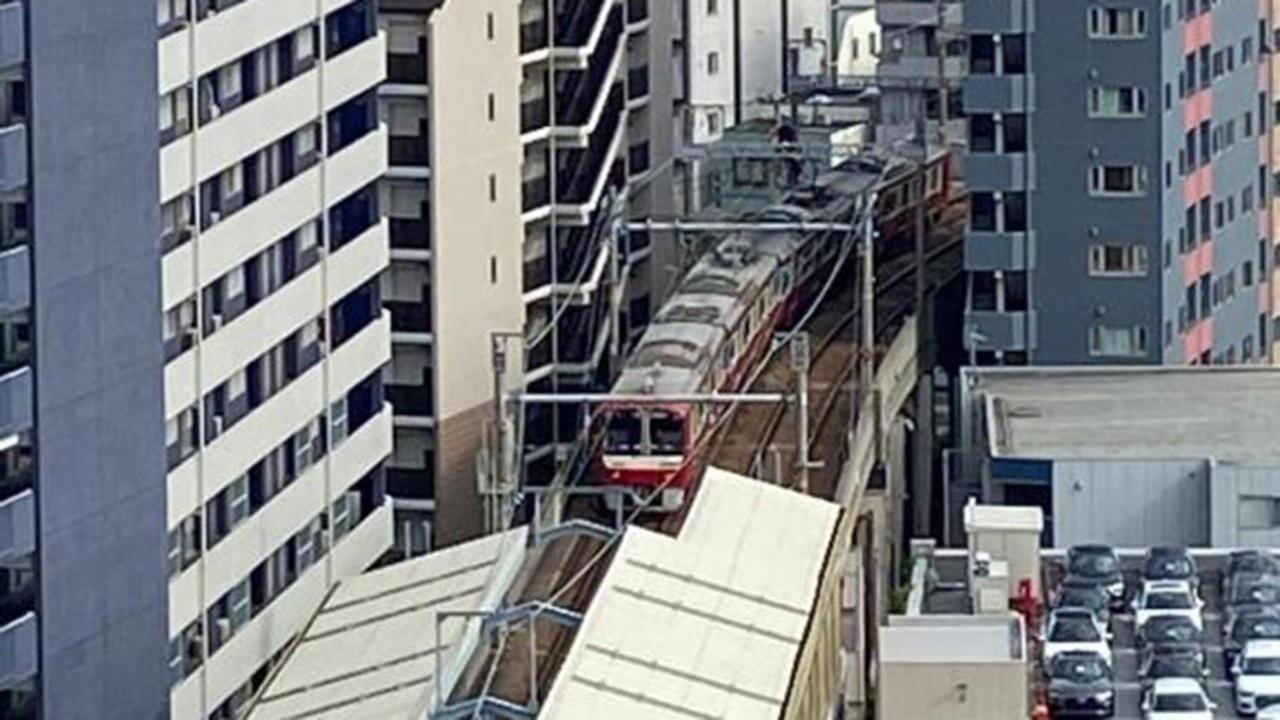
(677, 350)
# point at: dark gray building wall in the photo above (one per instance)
(1066, 219)
(99, 363)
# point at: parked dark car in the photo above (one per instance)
(1169, 562)
(1249, 624)
(1085, 595)
(1081, 685)
(1097, 565)
(1251, 591)
(1170, 632)
(1162, 661)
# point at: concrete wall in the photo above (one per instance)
(760, 55)
(942, 691)
(99, 362)
(708, 93)
(472, 234)
(1131, 503)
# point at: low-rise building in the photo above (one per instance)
(1132, 457)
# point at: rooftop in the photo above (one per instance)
(1225, 413)
(706, 624)
(370, 650)
(952, 639)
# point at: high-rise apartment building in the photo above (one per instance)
(511, 121)
(82, 495)
(1119, 171)
(920, 48)
(275, 337)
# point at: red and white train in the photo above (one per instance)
(713, 330)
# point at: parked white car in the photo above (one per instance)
(1257, 676)
(1177, 699)
(1075, 629)
(1167, 597)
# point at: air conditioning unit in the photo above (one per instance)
(218, 424)
(222, 630)
(190, 335)
(215, 320)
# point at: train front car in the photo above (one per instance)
(647, 450)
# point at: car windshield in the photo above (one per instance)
(624, 433)
(1253, 562)
(1261, 666)
(1170, 566)
(1174, 666)
(1079, 668)
(1261, 627)
(1070, 629)
(1168, 601)
(1255, 592)
(1081, 597)
(1180, 701)
(1093, 564)
(1175, 629)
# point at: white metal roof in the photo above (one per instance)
(369, 650)
(1002, 517)
(707, 624)
(952, 639)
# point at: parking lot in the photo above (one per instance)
(1128, 689)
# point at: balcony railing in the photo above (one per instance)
(411, 400)
(17, 602)
(537, 273)
(414, 483)
(575, 22)
(637, 82)
(575, 103)
(410, 317)
(410, 150)
(17, 481)
(533, 36)
(407, 69)
(410, 233)
(579, 178)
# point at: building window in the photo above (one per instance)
(1259, 513)
(1117, 23)
(489, 25)
(1117, 102)
(1107, 341)
(492, 107)
(493, 188)
(713, 122)
(1117, 260)
(1117, 180)
(493, 269)
(713, 63)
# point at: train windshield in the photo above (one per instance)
(666, 434)
(624, 434)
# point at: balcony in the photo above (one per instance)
(17, 526)
(411, 400)
(15, 279)
(407, 69)
(637, 82)
(999, 251)
(574, 104)
(534, 115)
(410, 234)
(412, 483)
(1007, 171)
(413, 151)
(17, 639)
(1000, 330)
(916, 13)
(999, 93)
(13, 47)
(536, 273)
(996, 16)
(575, 22)
(533, 36)
(535, 193)
(15, 401)
(578, 179)
(409, 317)
(13, 158)
(637, 11)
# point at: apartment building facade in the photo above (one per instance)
(273, 248)
(82, 500)
(1119, 170)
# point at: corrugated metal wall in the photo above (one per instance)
(1230, 483)
(1132, 503)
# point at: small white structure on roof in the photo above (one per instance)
(712, 623)
(942, 667)
(1010, 533)
(370, 651)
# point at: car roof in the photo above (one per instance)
(1073, 612)
(1167, 550)
(1262, 648)
(1177, 685)
(1092, 548)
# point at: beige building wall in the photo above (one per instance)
(953, 691)
(476, 262)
